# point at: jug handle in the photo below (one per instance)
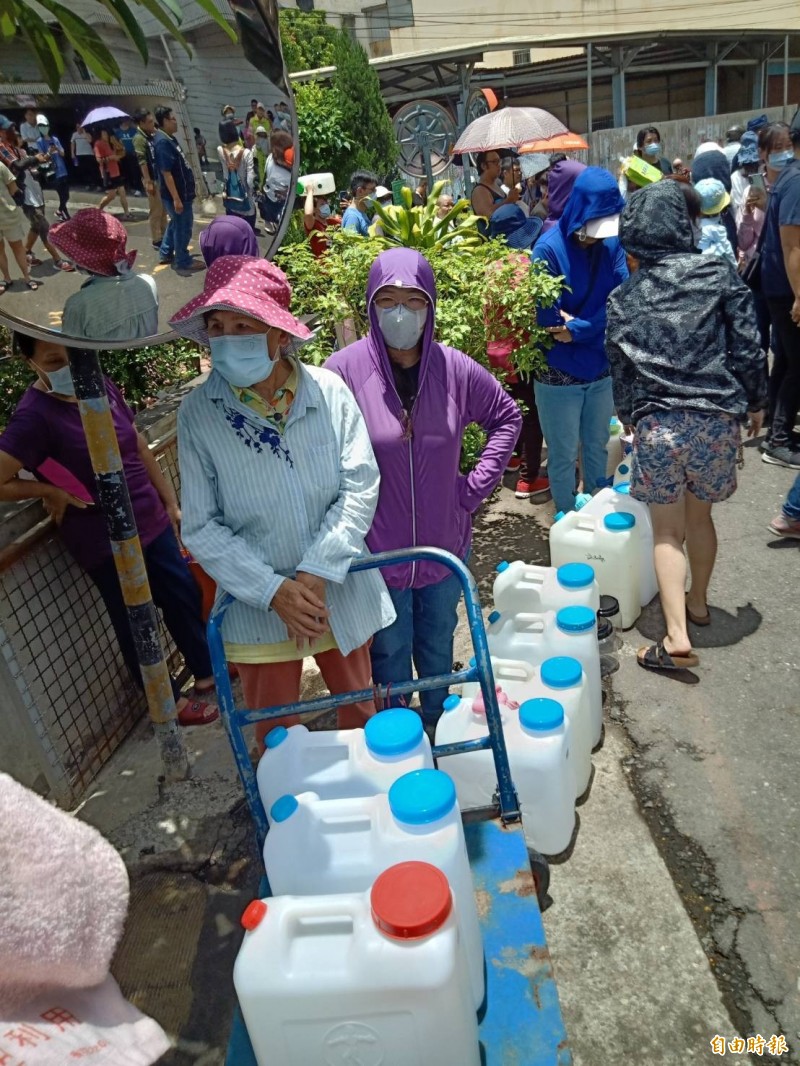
(513, 672)
(536, 621)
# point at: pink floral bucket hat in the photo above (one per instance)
(95, 240)
(241, 283)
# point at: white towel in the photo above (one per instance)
(96, 1024)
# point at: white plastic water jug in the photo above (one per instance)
(545, 786)
(321, 847)
(561, 678)
(521, 587)
(619, 498)
(608, 542)
(614, 446)
(538, 756)
(344, 762)
(372, 977)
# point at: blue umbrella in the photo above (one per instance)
(104, 114)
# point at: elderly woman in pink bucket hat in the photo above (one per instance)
(279, 487)
(115, 303)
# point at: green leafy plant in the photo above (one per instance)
(325, 141)
(421, 228)
(307, 41)
(364, 113)
(41, 33)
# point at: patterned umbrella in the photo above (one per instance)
(509, 128)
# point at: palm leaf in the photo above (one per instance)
(43, 44)
(129, 25)
(85, 40)
(211, 9)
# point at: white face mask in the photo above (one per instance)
(60, 380)
(401, 328)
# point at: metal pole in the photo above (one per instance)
(589, 116)
(786, 70)
(115, 503)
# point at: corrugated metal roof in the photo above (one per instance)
(166, 89)
(96, 15)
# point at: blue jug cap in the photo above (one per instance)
(494, 617)
(393, 732)
(619, 522)
(575, 575)
(575, 619)
(541, 715)
(624, 487)
(558, 516)
(283, 808)
(421, 797)
(473, 661)
(623, 468)
(276, 736)
(502, 567)
(451, 703)
(582, 499)
(562, 671)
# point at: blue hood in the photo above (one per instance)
(594, 195)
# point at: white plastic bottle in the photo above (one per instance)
(374, 977)
(609, 543)
(610, 501)
(473, 772)
(322, 847)
(522, 588)
(614, 446)
(528, 637)
(543, 776)
(577, 627)
(561, 678)
(344, 762)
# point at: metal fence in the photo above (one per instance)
(66, 696)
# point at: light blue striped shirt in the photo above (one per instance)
(124, 307)
(258, 506)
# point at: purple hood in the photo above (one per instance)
(424, 499)
(559, 186)
(228, 235)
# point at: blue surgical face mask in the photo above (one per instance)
(60, 380)
(242, 360)
(652, 149)
(778, 160)
(325, 210)
(401, 328)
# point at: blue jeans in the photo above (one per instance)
(574, 417)
(178, 234)
(791, 505)
(423, 631)
(177, 595)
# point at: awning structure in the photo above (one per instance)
(445, 74)
(170, 90)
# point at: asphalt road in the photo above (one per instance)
(711, 762)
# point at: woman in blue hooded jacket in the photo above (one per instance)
(573, 395)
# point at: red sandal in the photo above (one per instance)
(198, 712)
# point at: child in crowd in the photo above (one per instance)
(714, 198)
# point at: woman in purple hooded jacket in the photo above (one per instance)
(417, 396)
(560, 179)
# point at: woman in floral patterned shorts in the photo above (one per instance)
(686, 365)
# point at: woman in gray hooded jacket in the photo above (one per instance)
(686, 366)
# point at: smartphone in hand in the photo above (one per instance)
(757, 182)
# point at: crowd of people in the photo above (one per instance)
(662, 317)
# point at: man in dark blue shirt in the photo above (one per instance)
(177, 193)
(780, 284)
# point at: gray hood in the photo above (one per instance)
(656, 222)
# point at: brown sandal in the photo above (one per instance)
(656, 657)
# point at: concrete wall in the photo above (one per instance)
(679, 138)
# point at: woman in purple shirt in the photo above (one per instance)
(46, 437)
(417, 397)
